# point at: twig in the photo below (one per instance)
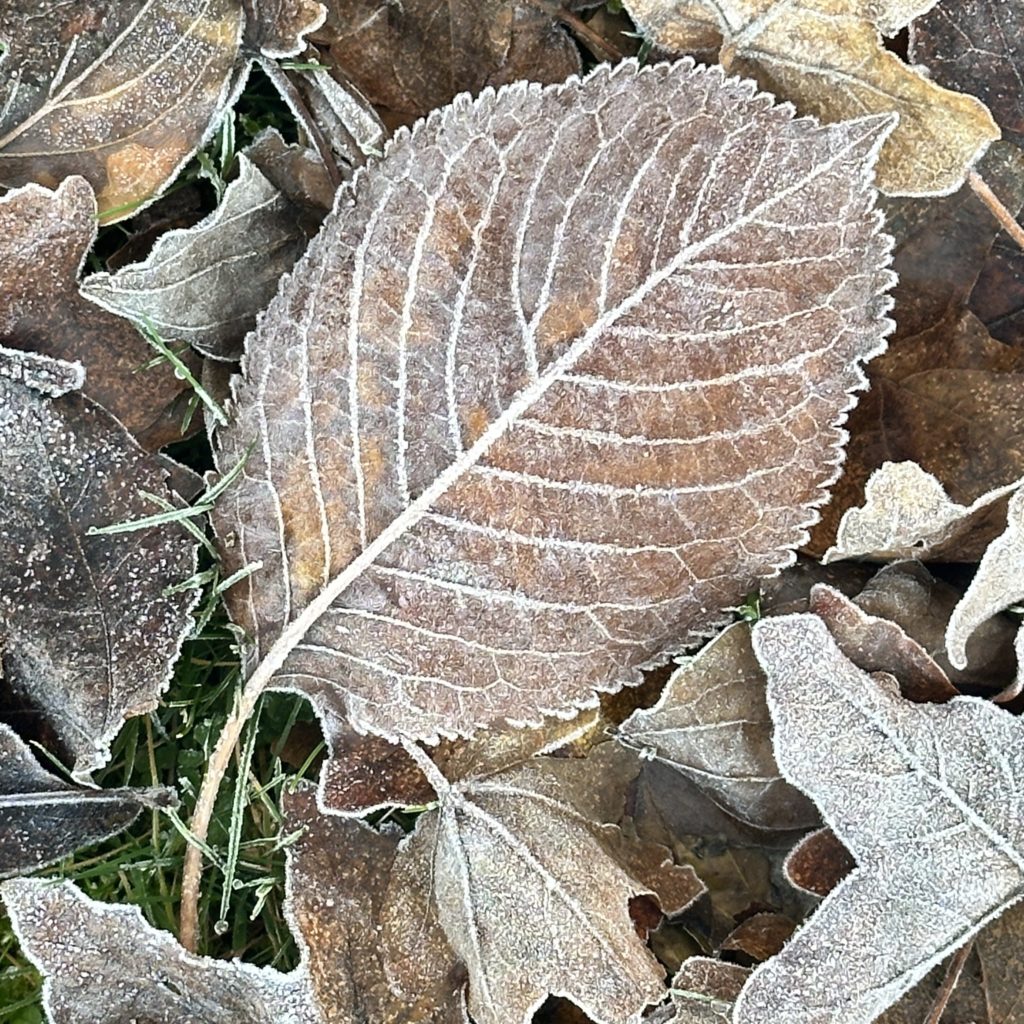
(286, 87)
(595, 42)
(949, 982)
(1000, 212)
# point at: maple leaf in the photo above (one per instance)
(531, 887)
(496, 411)
(43, 819)
(907, 787)
(123, 92)
(411, 58)
(205, 284)
(44, 237)
(828, 57)
(712, 725)
(89, 630)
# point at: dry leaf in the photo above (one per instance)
(105, 965)
(828, 57)
(43, 819)
(924, 796)
(205, 284)
(123, 92)
(818, 863)
(907, 514)
(496, 411)
(998, 583)
(44, 237)
(759, 937)
(338, 871)
(704, 990)
(976, 46)
(412, 57)
(532, 892)
(712, 725)
(89, 632)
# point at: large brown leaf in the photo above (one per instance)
(828, 57)
(558, 383)
(925, 796)
(88, 629)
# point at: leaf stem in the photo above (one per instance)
(949, 983)
(996, 207)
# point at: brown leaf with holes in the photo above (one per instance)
(413, 57)
(828, 57)
(44, 237)
(532, 889)
(509, 430)
(88, 629)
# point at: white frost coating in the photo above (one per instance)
(928, 800)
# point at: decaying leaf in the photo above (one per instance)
(204, 285)
(44, 237)
(712, 725)
(104, 964)
(89, 632)
(907, 514)
(998, 583)
(532, 890)
(976, 46)
(338, 871)
(412, 57)
(43, 819)
(828, 57)
(123, 92)
(926, 798)
(516, 439)
(704, 990)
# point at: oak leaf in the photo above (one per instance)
(43, 819)
(924, 796)
(494, 411)
(828, 57)
(531, 886)
(89, 630)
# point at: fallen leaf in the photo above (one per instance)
(205, 284)
(105, 965)
(486, 427)
(704, 990)
(818, 863)
(44, 237)
(923, 795)
(759, 937)
(976, 46)
(89, 632)
(907, 514)
(43, 819)
(413, 57)
(998, 584)
(338, 872)
(532, 893)
(828, 57)
(712, 725)
(123, 92)
(297, 172)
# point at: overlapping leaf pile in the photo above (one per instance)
(516, 422)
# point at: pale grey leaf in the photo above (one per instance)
(204, 285)
(926, 797)
(103, 964)
(998, 583)
(89, 632)
(43, 819)
(509, 432)
(712, 725)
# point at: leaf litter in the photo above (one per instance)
(560, 384)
